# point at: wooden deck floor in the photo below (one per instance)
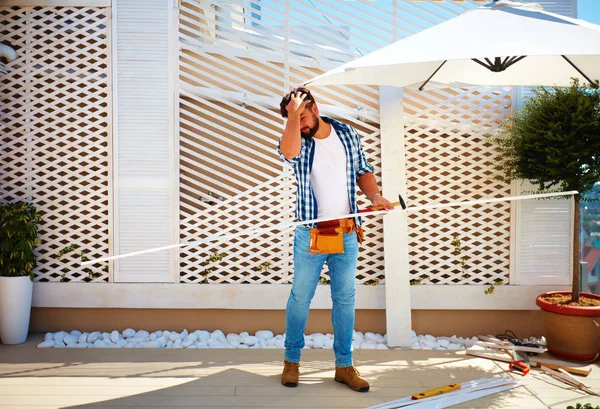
(229, 378)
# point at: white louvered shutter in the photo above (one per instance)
(543, 239)
(144, 154)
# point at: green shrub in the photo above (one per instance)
(18, 238)
(586, 406)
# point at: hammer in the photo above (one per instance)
(400, 202)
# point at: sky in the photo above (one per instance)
(589, 10)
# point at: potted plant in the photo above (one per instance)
(18, 238)
(554, 141)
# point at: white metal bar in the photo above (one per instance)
(288, 225)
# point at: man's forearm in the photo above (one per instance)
(368, 185)
(291, 140)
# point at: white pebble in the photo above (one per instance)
(46, 344)
(49, 336)
(205, 335)
(318, 342)
(444, 343)
(215, 343)
(128, 333)
(59, 336)
(142, 334)
(93, 337)
(99, 343)
(75, 333)
(114, 336)
(151, 344)
(370, 337)
(264, 334)
(234, 343)
(70, 339)
(249, 340)
(368, 345)
(217, 334)
(154, 336)
(174, 336)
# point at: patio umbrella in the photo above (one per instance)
(504, 43)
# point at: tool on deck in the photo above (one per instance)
(436, 391)
(518, 366)
(533, 362)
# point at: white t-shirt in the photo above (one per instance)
(328, 177)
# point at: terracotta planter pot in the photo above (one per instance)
(572, 333)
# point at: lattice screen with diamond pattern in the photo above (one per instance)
(447, 159)
(55, 105)
(236, 62)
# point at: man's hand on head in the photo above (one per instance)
(297, 103)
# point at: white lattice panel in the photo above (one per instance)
(448, 160)
(55, 142)
(236, 61)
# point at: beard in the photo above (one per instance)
(311, 130)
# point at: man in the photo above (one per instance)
(329, 163)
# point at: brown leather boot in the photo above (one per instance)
(290, 374)
(350, 376)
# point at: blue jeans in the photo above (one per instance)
(342, 274)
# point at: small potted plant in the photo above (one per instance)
(554, 141)
(18, 238)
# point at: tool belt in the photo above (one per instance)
(328, 237)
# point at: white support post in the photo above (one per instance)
(395, 224)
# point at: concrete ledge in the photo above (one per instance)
(273, 296)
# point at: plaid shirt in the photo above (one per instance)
(356, 166)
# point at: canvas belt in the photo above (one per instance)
(328, 236)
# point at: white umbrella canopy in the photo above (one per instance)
(504, 43)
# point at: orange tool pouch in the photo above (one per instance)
(328, 237)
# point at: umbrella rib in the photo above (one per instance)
(431, 76)
(497, 65)
(481, 63)
(514, 60)
(578, 70)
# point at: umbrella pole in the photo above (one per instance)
(431, 76)
(579, 71)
